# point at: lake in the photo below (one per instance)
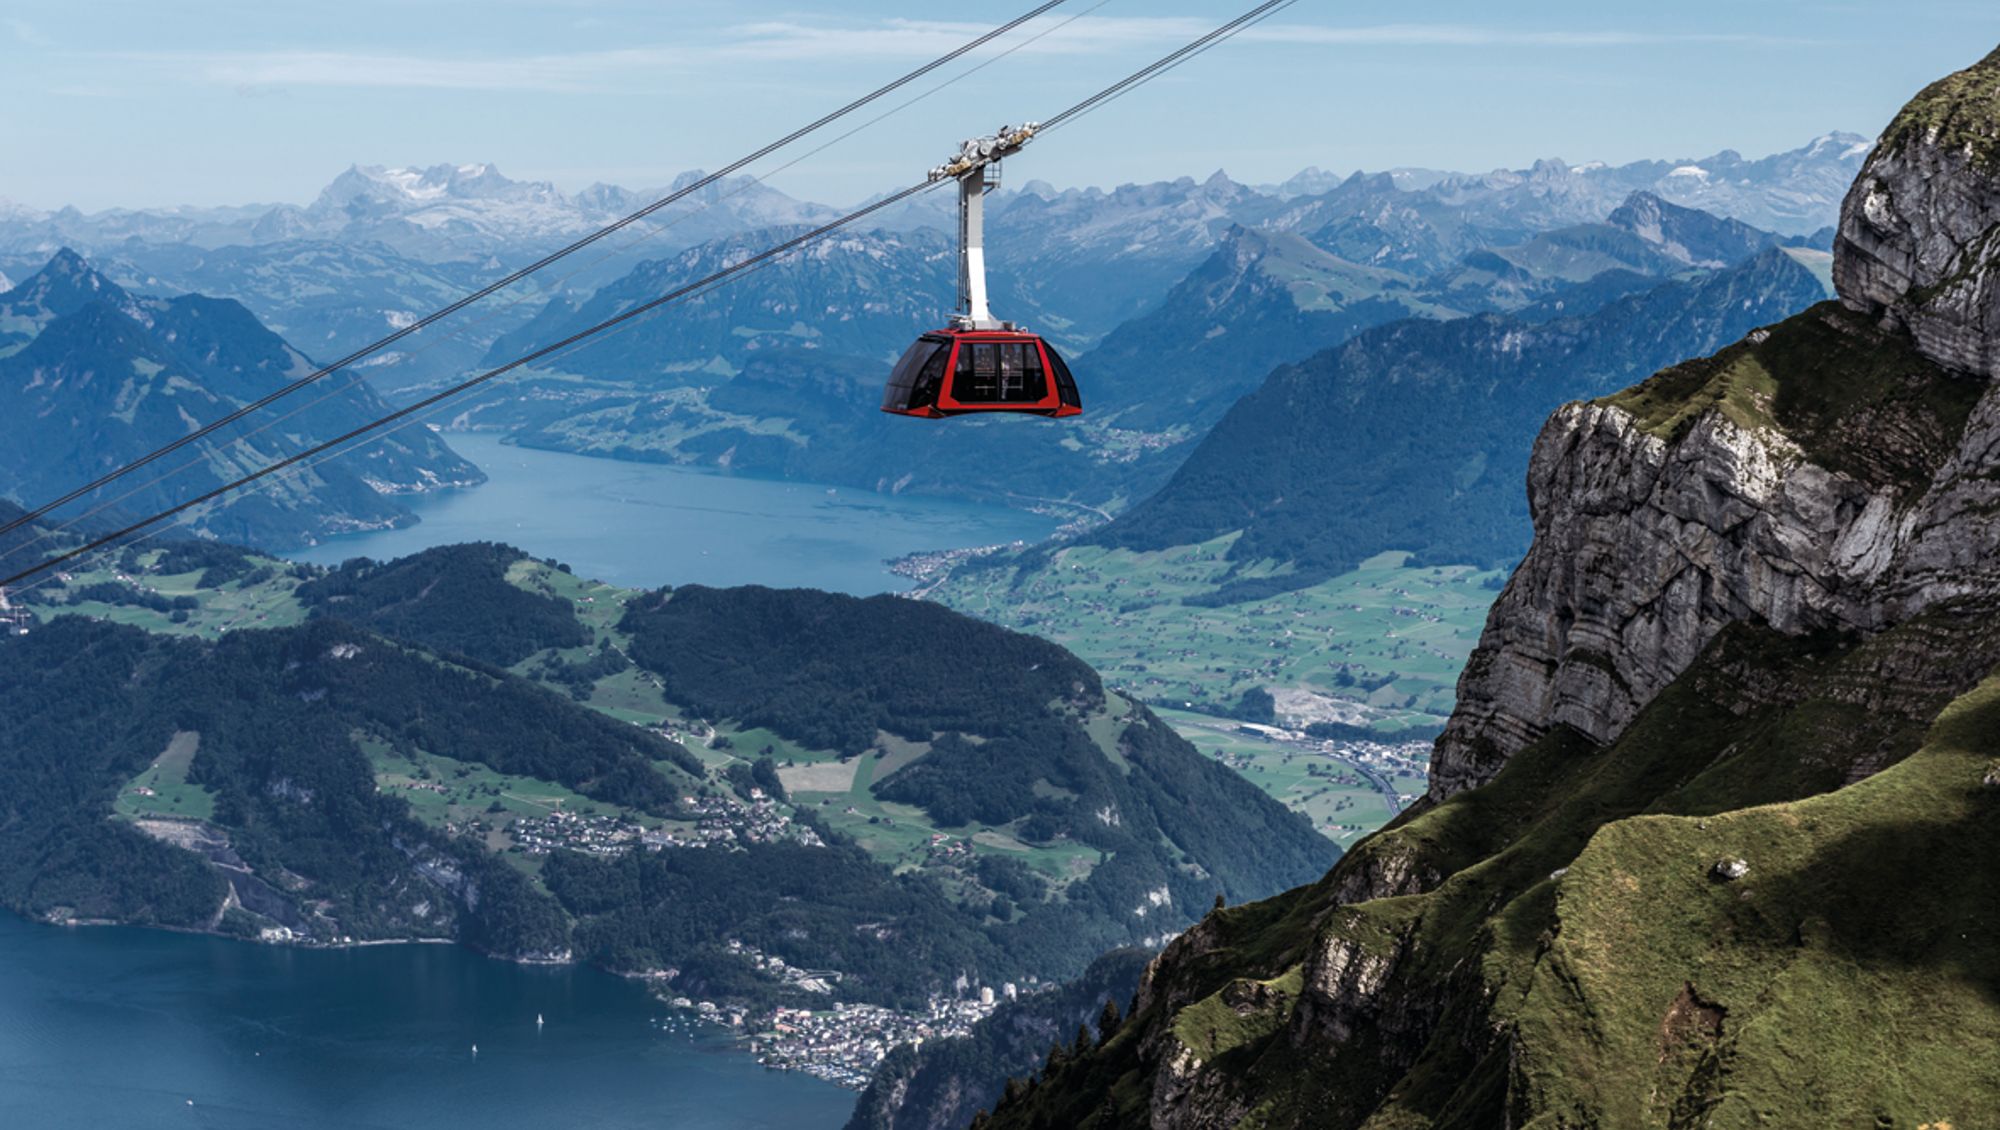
(123, 1027)
(644, 525)
(119, 1027)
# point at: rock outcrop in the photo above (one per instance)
(1919, 241)
(1834, 472)
(1729, 716)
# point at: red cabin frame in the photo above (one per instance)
(954, 372)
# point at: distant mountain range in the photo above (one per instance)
(777, 374)
(1266, 297)
(1080, 260)
(92, 376)
(473, 209)
(328, 297)
(442, 212)
(854, 294)
(1415, 436)
(1190, 291)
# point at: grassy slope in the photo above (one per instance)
(1574, 962)
(1958, 110)
(1854, 976)
(168, 792)
(1830, 382)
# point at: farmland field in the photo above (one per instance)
(1344, 802)
(1379, 647)
(163, 789)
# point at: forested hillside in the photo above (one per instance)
(878, 788)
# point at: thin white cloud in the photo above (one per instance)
(1472, 35)
(1095, 34)
(552, 73)
(26, 33)
(930, 38)
(803, 42)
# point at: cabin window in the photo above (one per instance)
(931, 377)
(1065, 384)
(1007, 372)
(978, 378)
(926, 356)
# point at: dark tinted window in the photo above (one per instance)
(1065, 384)
(977, 379)
(1008, 372)
(930, 378)
(903, 378)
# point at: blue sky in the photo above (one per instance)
(141, 103)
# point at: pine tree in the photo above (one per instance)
(1108, 1020)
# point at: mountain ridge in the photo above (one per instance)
(125, 375)
(1743, 685)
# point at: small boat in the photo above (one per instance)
(538, 1020)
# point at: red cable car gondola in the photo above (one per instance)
(979, 364)
(952, 372)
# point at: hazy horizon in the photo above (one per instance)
(120, 104)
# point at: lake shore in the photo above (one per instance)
(643, 525)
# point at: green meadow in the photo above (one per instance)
(1381, 646)
(163, 790)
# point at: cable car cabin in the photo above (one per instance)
(960, 372)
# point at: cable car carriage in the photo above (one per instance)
(952, 372)
(977, 363)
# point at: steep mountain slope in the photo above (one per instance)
(940, 1084)
(91, 377)
(1260, 300)
(1679, 861)
(1434, 415)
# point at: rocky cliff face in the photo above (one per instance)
(1742, 687)
(1919, 242)
(1836, 471)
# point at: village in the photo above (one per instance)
(931, 566)
(843, 1045)
(14, 621)
(722, 822)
